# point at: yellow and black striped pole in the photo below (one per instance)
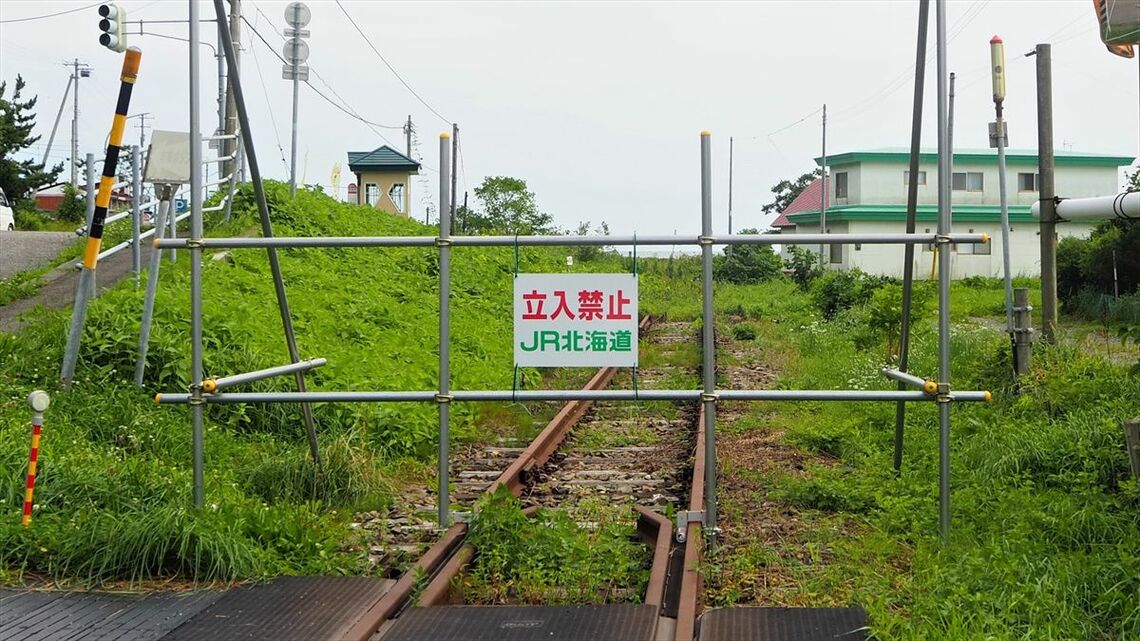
(131, 60)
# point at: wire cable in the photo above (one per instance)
(368, 123)
(269, 104)
(51, 15)
(390, 67)
(347, 107)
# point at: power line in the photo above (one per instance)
(354, 113)
(787, 127)
(390, 67)
(51, 15)
(370, 124)
(269, 104)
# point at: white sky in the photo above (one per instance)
(598, 106)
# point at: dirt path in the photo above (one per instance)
(760, 535)
(59, 288)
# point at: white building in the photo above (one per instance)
(867, 193)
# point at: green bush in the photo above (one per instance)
(550, 559)
(838, 290)
(743, 264)
(744, 332)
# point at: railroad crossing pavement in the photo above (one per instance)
(285, 609)
(23, 250)
(326, 608)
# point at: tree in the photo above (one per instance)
(508, 207)
(587, 253)
(787, 190)
(17, 120)
(748, 263)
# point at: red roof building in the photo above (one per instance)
(808, 200)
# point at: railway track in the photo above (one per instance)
(643, 454)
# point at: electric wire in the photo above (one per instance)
(354, 113)
(368, 123)
(51, 15)
(387, 64)
(269, 105)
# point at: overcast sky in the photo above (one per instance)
(597, 106)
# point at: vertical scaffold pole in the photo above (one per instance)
(95, 224)
(92, 189)
(165, 193)
(911, 220)
(944, 157)
(136, 211)
(443, 400)
(267, 230)
(708, 365)
(197, 405)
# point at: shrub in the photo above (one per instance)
(744, 332)
(745, 264)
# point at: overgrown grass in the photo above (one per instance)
(114, 481)
(1045, 537)
(551, 560)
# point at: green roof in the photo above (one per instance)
(925, 213)
(383, 158)
(1012, 156)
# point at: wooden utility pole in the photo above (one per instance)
(229, 145)
(1132, 442)
(1045, 164)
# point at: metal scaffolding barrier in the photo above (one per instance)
(203, 392)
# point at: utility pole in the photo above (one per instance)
(823, 192)
(730, 186)
(998, 139)
(297, 15)
(142, 128)
(454, 159)
(408, 136)
(1048, 219)
(79, 70)
(229, 145)
(58, 115)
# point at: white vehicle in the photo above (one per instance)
(7, 218)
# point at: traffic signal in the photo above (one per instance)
(113, 26)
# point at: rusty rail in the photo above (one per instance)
(688, 606)
(441, 562)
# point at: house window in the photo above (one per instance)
(966, 181)
(836, 254)
(1027, 182)
(841, 185)
(979, 249)
(921, 178)
(396, 194)
(371, 194)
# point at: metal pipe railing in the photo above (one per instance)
(569, 395)
(926, 385)
(111, 251)
(211, 385)
(539, 241)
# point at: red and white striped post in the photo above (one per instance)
(39, 400)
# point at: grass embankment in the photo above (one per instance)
(114, 488)
(1045, 541)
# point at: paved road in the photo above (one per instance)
(59, 291)
(21, 250)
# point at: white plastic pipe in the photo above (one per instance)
(1125, 206)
